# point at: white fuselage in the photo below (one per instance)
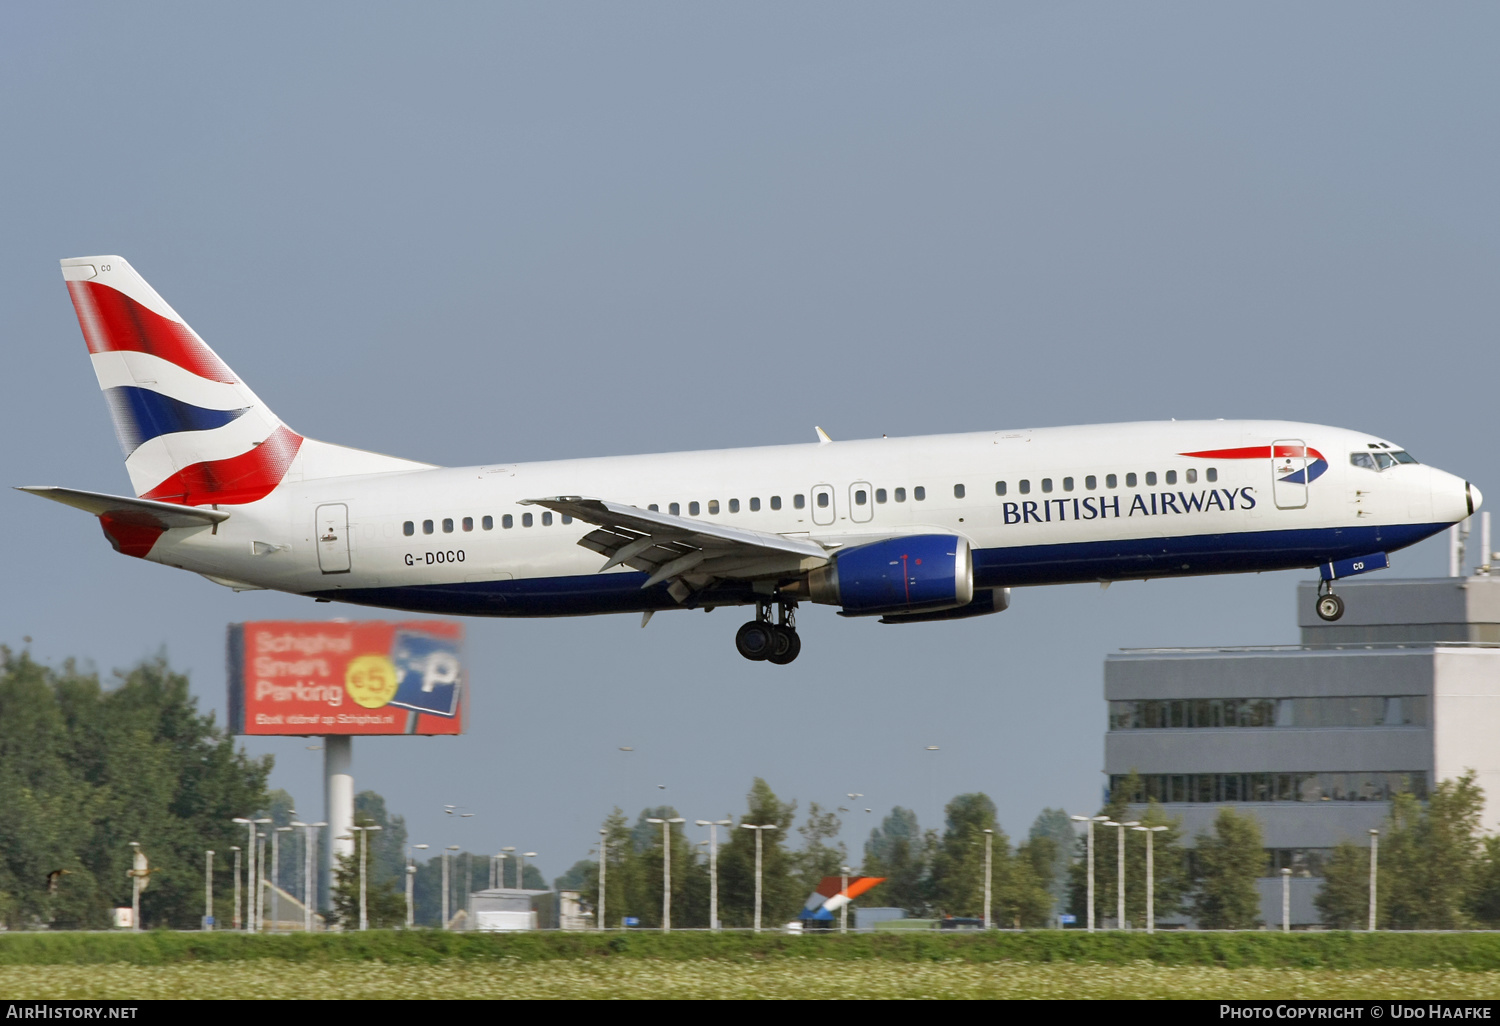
(1087, 503)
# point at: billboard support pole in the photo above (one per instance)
(338, 805)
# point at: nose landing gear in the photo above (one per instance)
(777, 643)
(1329, 606)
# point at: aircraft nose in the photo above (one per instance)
(1474, 497)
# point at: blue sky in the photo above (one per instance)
(479, 232)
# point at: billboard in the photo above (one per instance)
(305, 677)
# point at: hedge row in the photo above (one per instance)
(1468, 951)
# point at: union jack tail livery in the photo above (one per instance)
(192, 432)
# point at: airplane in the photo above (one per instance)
(909, 530)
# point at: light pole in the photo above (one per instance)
(603, 865)
(507, 850)
(260, 880)
(1150, 832)
(364, 856)
(713, 867)
(249, 919)
(236, 920)
(1090, 820)
(844, 893)
(1286, 899)
(989, 839)
(208, 892)
(446, 917)
(759, 832)
(521, 858)
(307, 872)
(135, 885)
(1120, 870)
(1374, 858)
(666, 869)
(276, 874)
(411, 875)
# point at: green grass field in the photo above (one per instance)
(1043, 964)
(709, 978)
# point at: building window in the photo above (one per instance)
(447, 525)
(427, 527)
(999, 487)
(919, 493)
(1342, 711)
(1216, 788)
(408, 528)
(958, 491)
(507, 521)
(488, 523)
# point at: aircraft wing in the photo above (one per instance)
(689, 553)
(163, 514)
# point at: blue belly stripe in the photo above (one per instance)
(1013, 566)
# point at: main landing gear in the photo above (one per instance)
(760, 639)
(1329, 606)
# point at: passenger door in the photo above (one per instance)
(1289, 473)
(332, 525)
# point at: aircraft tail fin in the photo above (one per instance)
(192, 432)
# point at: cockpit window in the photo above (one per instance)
(1402, 456)
(1362, 459)
(1383, 460)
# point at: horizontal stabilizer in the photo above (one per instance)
(167, 514)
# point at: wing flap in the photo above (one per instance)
(679, 549)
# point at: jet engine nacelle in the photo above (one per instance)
(919, 573)
(986, 601)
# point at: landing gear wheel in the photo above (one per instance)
(786, 645)
(1330, 607)
(755, 640)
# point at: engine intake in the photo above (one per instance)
(920, 573)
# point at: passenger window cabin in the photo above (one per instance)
(919, 493)
(900, 494)
(507, 522)
(408, 528)
(999, 487)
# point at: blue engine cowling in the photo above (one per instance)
(919, 573)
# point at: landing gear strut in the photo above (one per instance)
(778, 642)
(1329, 606)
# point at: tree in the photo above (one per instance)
(958, 863)
(1230, 860)
(898, 851)
(818, 858)
(86, 769)
(782, 894)
(1169, 862)
(1055, 826)
(385, 906)
(1434, 871)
